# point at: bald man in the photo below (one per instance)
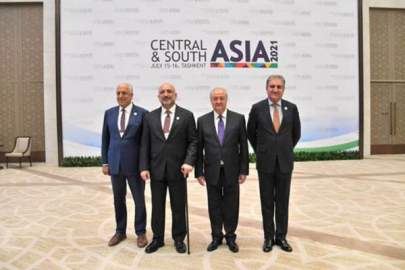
(168, 153)
(222, 165)
(122, 130)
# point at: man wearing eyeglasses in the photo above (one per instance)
(274, 129)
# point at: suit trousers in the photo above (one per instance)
(223, 207)
(177, 189)
(137, 187)
(275, 196)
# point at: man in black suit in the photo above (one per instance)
(274, 129)
(122, 130)
(222, 163)
(168, 153)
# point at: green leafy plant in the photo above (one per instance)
(298, 156)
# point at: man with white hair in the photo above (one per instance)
(222, 165)
(122, 130)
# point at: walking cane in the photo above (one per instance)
(187, 223)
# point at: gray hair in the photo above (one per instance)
(275, 76)
(218, 88)
(130, 87)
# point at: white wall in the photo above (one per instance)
(51, 138)
(367, 4)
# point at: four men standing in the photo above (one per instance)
(170, 145)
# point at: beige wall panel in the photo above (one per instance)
(21, 75)
(380, 113)
(399, 99)
(399, 44)
(380, 51)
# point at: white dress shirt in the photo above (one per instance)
(280, 110)
(163, 117)
(128, 111)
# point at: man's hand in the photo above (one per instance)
(242, 178)
(106, 170)
(145, 175)
(201, 180)
(186, 169)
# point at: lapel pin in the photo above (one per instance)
(177, 118)
(285, 108)
(135, 113)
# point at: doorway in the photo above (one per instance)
(21, 76)
(387, 39)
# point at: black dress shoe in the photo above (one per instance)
(153, 246)
(268, 245)
(180, 246)
(232, 246)
(283, 245)
(214, 244)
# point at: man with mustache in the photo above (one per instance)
(122, 130)
(168, 153)
(274, 129)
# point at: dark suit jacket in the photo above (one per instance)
(117, 151)
(233, 152)
(157, 153)
(269, 145)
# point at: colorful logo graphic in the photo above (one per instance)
(186, 53)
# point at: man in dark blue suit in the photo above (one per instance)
(122, 130)
(274, 129)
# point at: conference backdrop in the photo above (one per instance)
(201, 44)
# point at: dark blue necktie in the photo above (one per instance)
(221, 130)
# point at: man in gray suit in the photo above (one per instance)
(222, 164)
(273, 130)
(167, 156)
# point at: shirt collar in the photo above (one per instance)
(172, 110)
(128, 108)
(271, 102)
(223, 115)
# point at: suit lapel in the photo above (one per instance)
(157, 123)
(229, 122)
(115, 120)
(131, 118)
(177, 118)
(211, 125)
(267, 115)
(284, 108)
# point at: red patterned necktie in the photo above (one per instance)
(166, 124)
(122, 122)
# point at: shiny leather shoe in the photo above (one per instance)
(141, 241)
(283, 245)
(116, 239)
(214, 244)
(268, 245)
(233, 246)
(180, 246)
(153, 246)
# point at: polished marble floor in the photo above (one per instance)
(343, 215)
